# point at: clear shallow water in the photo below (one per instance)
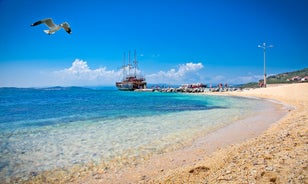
(52, 128)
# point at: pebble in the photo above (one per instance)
(269, 168)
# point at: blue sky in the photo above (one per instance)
(177, 41)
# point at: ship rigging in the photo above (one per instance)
(131, 81)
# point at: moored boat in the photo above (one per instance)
(131, 82)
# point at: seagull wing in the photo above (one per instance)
(47, 21)
(37, 23)
(66, 26)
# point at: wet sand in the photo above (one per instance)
(260, 153)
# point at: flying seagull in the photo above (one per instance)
(52, 26)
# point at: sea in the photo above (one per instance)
(46, 129)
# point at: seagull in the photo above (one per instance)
(52, 26)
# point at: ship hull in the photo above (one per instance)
(124, 87)
(131, 85)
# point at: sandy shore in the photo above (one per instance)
(275, 154)
(279, 155)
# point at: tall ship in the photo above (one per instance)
(131, 81)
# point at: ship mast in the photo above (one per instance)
(129, 65)
(135, 63)
(124, 66)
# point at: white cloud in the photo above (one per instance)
(218, 79)
(185, 73)
(236, 80)
(248, 78)
(81, 74)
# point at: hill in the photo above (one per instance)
(288, 77)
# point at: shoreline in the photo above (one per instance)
(242, 161)
(196, 163)
(278, 155)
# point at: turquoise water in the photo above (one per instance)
(54, 128)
